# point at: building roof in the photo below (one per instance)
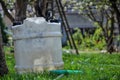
(75, 19)
(79, 21)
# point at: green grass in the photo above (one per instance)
(94, 66)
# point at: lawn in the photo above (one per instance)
(95, 66)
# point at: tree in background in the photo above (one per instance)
(21, 7)
(4, 7)
(104, 13)
(3, 29)
(3, 66)
(40, 8)
(115, 5)
(20, 10)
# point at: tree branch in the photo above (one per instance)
(6, 11)
(116, 10)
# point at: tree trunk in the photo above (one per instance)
(117, 11)
(6, 11)
(3, 66)
(110, 46)
(20, 10)
(40, 8)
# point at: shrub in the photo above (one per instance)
(94, 41)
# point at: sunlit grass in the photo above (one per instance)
(94, 66)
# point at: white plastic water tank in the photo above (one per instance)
(37, 45)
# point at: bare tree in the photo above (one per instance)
(106, 22)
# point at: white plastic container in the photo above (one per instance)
(37, 46)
